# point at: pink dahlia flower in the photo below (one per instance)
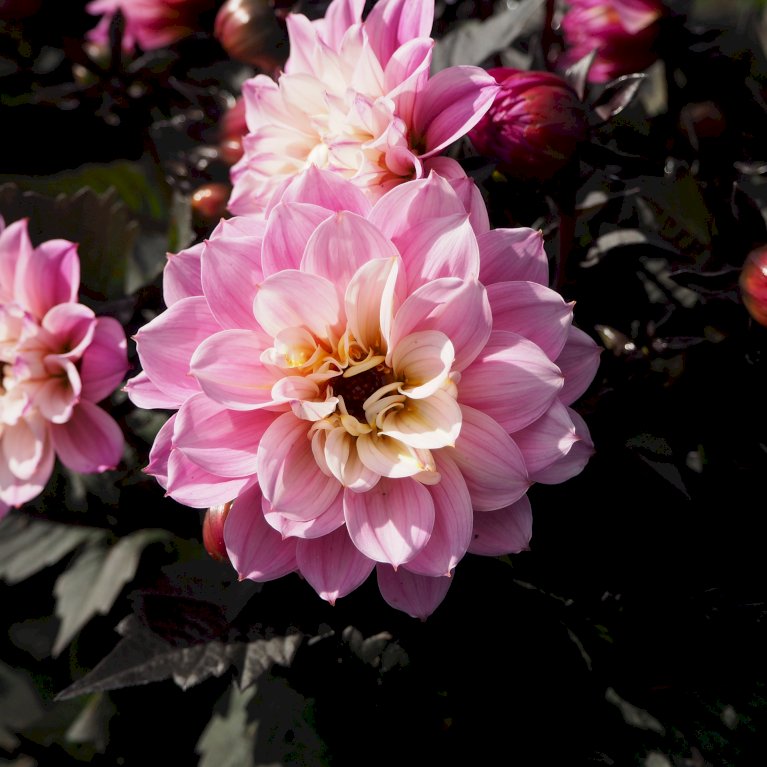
(534, 125)
(376, 387)
(149, 24)
(623, 33)
(356, 99)
(58, 360)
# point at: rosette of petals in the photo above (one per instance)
(355, 98)
(149, 24)
(58, 360)
(372, 386)
(621, 32)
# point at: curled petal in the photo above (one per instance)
(548, 439)
(417, 595)
(343, 461)
(392, 458)
(333, 565)
(90, 441)
(574, 461)
(256, 550)
(503, 531)
(23, 444)
(391, 522)
(71, 328)
(422, 361)
(15, 491)
(579, 362)
(428, 423)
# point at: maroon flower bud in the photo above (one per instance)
(209, 202)
(249, 31)
(231, 130)
(623, 33)
(753, 284)
(213, 531)
(12, 10)
(533, 127)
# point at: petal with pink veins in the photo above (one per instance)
(47, 276)
(579, 362)
(417, 595)
(343, 461)
(15, 246)
(503, 531)
(71, 328)
(23, 445)
(144, 393)
(292, 299)
(323, 188)
(288, 230)
(547, 439)
(104, 363)
(429, 423)
(490, 461)
(228, 368)
(333, 565)
(406, 73)
(256, 550)
(15, 491)
(329, 520)
(451, 104)
(574, 461)
(511, 380)
(167, 343)
(160, 452)
(57, 395)
(392, 458)
(453, 522)
(422, 360)
(181, 277)
(288, 473)
(392, 23)
(340, 15)
(533, 311)
(90, 441)
(507, 255)
(221, 441)
(191, 485)
(391, 522)
(458, 308)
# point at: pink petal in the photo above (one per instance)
(392, 23)
(232, 258)
(332, 565)
(391, 522)
(227, 365)
(490, 461)
(512, 254)
(330, 519)
(48, 276)
(574, 461)
(181, 276)
(532, 311)
(160, 452)
(15, 491)
(256, 550)
(343, 461)
(288, 473)
(417, 595)
(303, 42)
(429, 423)
(71, 327)
(579, 362)
(547, 439)
(104, 363)
(56, 396)
(440, 247)
(15, 246)
(166, 345)
(512, 381)
(281, 303)
(458, 308)
(90, 441)
(193, 486)
(323, 188)
(453, 521)
(340, 15)
(469, 194)
(451, 104)
(392, 458)
(422, 361)
(220, 441)
(288, 229)
(504, 531)
(23, 446)
(406, 73)
(143, 393)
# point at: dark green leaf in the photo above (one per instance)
(19, 705)
(227, 740)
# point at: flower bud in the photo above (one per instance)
(213, 531)
(231, 130)
(209, 202)
(753, 284)
(249, 31)
(533, 127)
(623, 33)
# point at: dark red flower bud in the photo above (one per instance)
(249, 31)
(213, 531)
(533, 127)
(232, 128)
(753, 284)
(209, 202)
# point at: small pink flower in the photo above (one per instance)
(534, 125)
(623, 33)
(375, 387)
(58, 360)
(355, 98)
(753, 284)
(149, 24)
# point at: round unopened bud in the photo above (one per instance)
(232, 128)
(213, 531)
(753, 284)
(209, 202)
(250, 31)
(533, 127)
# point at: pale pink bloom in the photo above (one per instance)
(149, 24)
(622, 32)
(376, 386)
(355, 98)
(58, 360)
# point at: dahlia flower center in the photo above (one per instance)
(355, 390)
